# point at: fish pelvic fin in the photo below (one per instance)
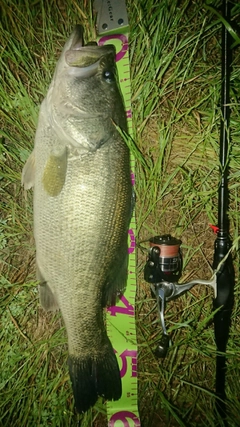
(93, 377)
(47, 299)
(28, 172)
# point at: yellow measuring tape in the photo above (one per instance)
(113, 29)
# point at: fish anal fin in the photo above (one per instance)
(117, 284)
(28, 172)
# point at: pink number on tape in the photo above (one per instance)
(132, 241)
(122, 416)
(133, 355)
(133, 178)
(129, 114)
(128, 309)
(120, 37)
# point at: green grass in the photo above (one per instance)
(175, 53)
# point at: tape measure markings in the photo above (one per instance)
(120, 318)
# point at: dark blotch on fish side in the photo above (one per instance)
(94, 377)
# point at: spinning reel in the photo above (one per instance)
(163, 269)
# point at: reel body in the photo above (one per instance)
(162, 270)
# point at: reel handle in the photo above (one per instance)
(163, 346)
(166, 291)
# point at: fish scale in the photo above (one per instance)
(86, 226)
(82, 209)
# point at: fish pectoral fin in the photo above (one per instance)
(47, 299)
(54, 173)
(28, 172)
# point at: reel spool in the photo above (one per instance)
(164, 260)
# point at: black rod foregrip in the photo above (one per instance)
(222, 319)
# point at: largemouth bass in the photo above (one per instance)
(80, 170)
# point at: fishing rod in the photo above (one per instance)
(225, 275)
(163, 268)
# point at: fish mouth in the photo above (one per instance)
(83, 56)
(77, 38)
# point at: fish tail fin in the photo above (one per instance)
(95, 376)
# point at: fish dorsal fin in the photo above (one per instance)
(28, 172)
(54, 173)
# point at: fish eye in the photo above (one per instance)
(108, 76)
